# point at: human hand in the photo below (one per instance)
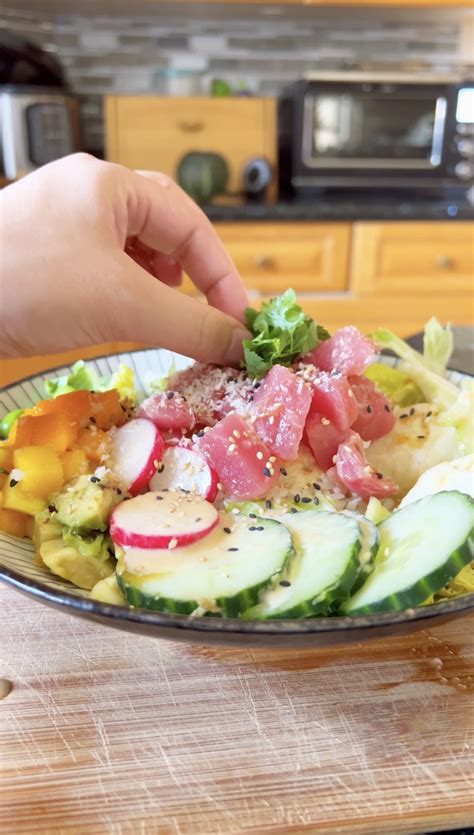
(91, 252)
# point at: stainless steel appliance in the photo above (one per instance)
(378, 131)
(39, 118)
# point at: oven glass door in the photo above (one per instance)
(346, 130)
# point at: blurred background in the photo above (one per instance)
(331, 144)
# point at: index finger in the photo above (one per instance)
(166, 219)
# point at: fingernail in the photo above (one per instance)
(235, 351)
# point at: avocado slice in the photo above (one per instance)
(45, 528)
(67, 562)
(85, 505)
(108, 591)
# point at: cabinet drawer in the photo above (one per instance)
(273, 256)
(413, 257)
(151, 132)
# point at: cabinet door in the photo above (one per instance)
(413, 258)
(151, 132)
(310, 257)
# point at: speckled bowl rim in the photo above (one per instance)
(225, 626)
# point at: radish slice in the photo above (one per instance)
(185, 469)
(162, 519)
(135, 446)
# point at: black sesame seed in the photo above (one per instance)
(283, 471)
(369, 409)
(316, 500)
(227, 530)
(297, 498)
(268, 504)
(257, 385)
(251, 398)
(198, 519)
(232, 549)
(160, 468)
(316, 485)
(252, 515)
(428, 414)
(13, 482)
(169, 395)
(266, 472)
(293, 510)
(124, 408)
(412, 411)
(421, 437)
(253, 528)
(118, 491)
(51, 508)
(306, 499)
(230, 379)
(387, 407)
(92, 419)
(260, 528)
(159, 498)
(285, 583)
(405, 415)
(379, 475)
(95, 479)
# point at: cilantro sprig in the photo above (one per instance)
(281, 333)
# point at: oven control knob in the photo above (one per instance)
(464, 170)
(466, 147)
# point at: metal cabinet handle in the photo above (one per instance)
(190, 127)
(264, 262)
(444, 262)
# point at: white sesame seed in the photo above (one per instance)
(272, 459)
(386, 552)
(172, 543)
(325, 421)
(259, 455)
(236, 433)
(219, 485)
(231, 448)
(271, 419)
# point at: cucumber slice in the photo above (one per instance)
(422, 547)
(369, 545)
(223, 571)
(322, 571)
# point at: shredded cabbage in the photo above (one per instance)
(437, 346)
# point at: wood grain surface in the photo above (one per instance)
(107, 732)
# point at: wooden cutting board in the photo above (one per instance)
(107, 732)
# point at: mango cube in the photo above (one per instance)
(16, 498)
(74, 463)
(13, 523)
(42, 470)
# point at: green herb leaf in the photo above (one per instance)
(281, 333)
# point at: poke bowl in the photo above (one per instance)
(324, 498)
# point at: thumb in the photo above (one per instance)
(148, 311)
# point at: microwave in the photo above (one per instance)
(347, 131)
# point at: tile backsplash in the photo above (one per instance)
(255, 52)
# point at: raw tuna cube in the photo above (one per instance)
(245, 466)
(168, 410)
(334, 400)
(356, 475)
(279, 410)
(347, 351)
(323, 438)
(375, 416)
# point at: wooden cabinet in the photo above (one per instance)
(310, 257)
(152, 132)
(412, 258)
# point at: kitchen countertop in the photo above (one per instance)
(353, 209)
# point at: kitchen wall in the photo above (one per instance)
(252, 49)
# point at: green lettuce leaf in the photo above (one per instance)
(397, 386)
(437, 346)
(434, 387)
(281, 333)
(84, 377)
